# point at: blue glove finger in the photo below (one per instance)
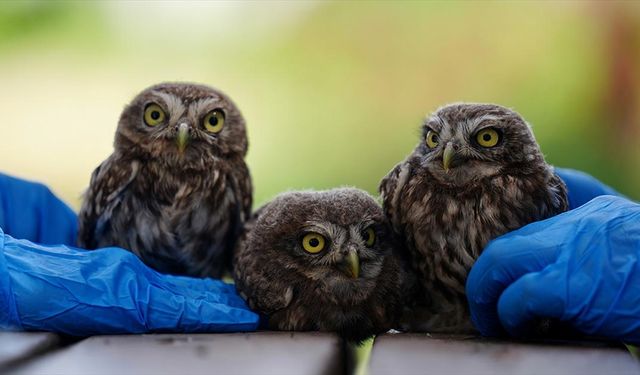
(595, 283)
(502, 262)
(582, 267)
(108, 291)
(29, 210)
(530, 298)
(210, 312)
(528, 249)
(213, 290)
(581, 187)
(499, 265)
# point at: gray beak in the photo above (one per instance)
(351, 265)
(182, 139)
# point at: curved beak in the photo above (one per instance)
(451, 156)
(182, 138)
(351, 265)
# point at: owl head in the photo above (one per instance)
(321, 260)
(181, 123)
(336, 238)
(464, 142)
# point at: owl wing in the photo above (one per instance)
(263, 291)
(239, 186)
(558, 201)
(261, 295)
(243, 188)
(108, 184)
(270, 300)
(391, 190)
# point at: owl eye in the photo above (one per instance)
(369, 237)
(431, 139)
(313, 243)
(153, 115)
(488, 137)
(214, 121)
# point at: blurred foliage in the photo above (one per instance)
(333, 92)
(362, 356)
(29, 24)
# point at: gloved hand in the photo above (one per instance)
(581, 187)
(107, 291)
(581, 267)
(30, 211)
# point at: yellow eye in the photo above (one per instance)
(369, 237)
(153, 115)
(488, 137)
(313, 243)
(214, 121)
(431, 139)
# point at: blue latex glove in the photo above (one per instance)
(581, 267)
(500, 266)
(79, 292)
(29, 210)
(107, 291)
(582, 188)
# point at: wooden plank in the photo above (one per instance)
(421, 353)
(18, 346)
(238, 353)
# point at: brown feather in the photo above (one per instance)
(181, 212)
(446, 218)
(302, 291)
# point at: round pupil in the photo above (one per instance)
(155, 115)
(314, 242)
(213, 120)
(367, 236)
(486, 137)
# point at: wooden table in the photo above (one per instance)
(426, 354)
(301, 353)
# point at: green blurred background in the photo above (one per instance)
(333, 92)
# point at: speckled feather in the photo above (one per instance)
(302, 291)
(180, 212)
(446, 218)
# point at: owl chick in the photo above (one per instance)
(477, 173)
(176, 190)
(321, 261)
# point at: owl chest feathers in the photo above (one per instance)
(176, 197)
(177, 222)
(354, 317)
(447, 228)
